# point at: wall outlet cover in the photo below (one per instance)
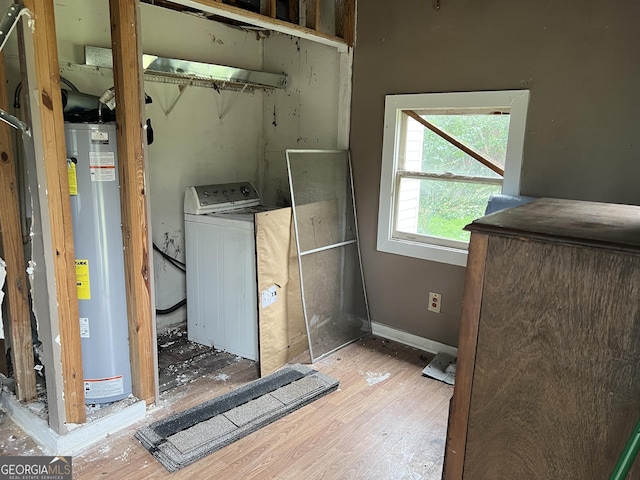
(435, 299)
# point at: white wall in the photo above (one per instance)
(305, 115)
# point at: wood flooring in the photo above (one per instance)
(386, 421)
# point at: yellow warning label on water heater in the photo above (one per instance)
(73, 179)
(82, 280)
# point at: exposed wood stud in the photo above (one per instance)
(246, 16)
(349, 33)
(345, 20)
(272, 8)
(127, 68)
(11, 234)
(316, 23)
(49, 107)
(293, 11)
(265, 7)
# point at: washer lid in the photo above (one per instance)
(203, 199)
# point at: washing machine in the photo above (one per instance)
(222, 292)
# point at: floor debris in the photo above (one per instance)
(443, 368)
(374, 377)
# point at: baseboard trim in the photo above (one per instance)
(76, 440)
(405, 338)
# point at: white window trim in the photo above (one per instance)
(516, 100)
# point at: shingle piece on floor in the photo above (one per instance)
(254, 409)
(188, 418)
(298, 389)
(188, 436)
(201, 433)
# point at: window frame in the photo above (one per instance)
(516, 101)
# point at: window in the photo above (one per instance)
(444, 154)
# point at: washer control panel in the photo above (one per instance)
(203, 199)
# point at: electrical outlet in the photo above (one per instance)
(434, 302)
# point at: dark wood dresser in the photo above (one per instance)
(547, 383)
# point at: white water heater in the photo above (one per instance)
(97, 234)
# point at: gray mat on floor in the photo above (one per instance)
(185, 437)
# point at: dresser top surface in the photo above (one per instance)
(572, 221)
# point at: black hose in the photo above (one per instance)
(69, 84)
(172, 308)
(176, 263)
(16, 95)
(180, 266)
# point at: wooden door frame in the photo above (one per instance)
(47, 131)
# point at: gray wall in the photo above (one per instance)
(581, 63)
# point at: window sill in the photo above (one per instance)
(431, 252)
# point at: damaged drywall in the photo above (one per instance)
(35, 228)
(40, 272)
(306, 114)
